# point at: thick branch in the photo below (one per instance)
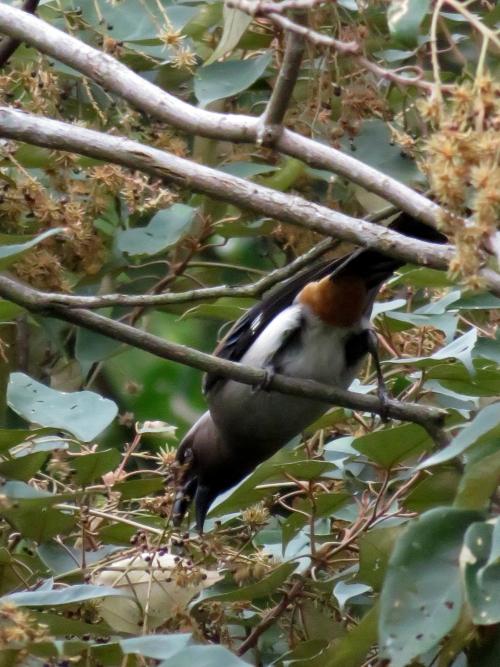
(287, 208)
(147, 97)
(8, 44)
(38, 302)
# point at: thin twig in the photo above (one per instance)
(272, 119)
(352, 48)
(270, 617)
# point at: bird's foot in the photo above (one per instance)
(265, 384)
(383, 397)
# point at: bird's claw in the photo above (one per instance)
(265, 384)
(383, 397)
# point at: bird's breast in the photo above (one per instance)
(259, 418)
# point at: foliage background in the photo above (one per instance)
(356, 547)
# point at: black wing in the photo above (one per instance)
(250, 325)
(363, 261)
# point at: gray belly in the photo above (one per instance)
(256, 417)
(259, 416)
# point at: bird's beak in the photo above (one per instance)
(203, 499)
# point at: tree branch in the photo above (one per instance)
(270, 123)
(273, 11)
(255, 289)
(39, 302)
(247, 195)
(8, 44)
(150, 99)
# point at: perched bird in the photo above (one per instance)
(314, 326)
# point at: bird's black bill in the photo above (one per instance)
(202, 501)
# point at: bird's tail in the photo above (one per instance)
(376, 267)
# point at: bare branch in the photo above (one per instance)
(272, 203)
(312, 36)
(142, 94)
(256, 289)
(488, 33)
(273, 12)
(8, 44)
(270, 124)
(39, 302)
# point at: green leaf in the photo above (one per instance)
(247, 169)
(485, 423)
(479, 482)
(246, 492)
(91, 347)
(207, 655)
(423, 277)
(67, 595)
(9, 311)
(392, 445)
(447, 322)
(23, 467)
(373, 145)
(58, 624)
(227, 591)
(90, 467)
(139, 488)
(49, 522)
(83, 413)
(345, 591)
(437, 490)
(12, 247)
(22, 491)
(352, 649)
(481, 556)
(221, 80)
(235, 24)
(159, 647)
(461, 349)
(404, 18)
(63, 558)
(422, 595)
(394, 55)
(132, 21)
(222, 310)
(163, 231)
(9, 437)
(308, 469)
(488, 348)
(485, 382)
(375, 549)
(305, 650)
(484, 301)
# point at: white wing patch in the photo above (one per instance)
(267, 344)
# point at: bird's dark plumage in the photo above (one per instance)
(313, 326)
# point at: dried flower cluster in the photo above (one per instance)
(72, 199)
(17, 628)
(462, 164)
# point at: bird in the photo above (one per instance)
(315, 326)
